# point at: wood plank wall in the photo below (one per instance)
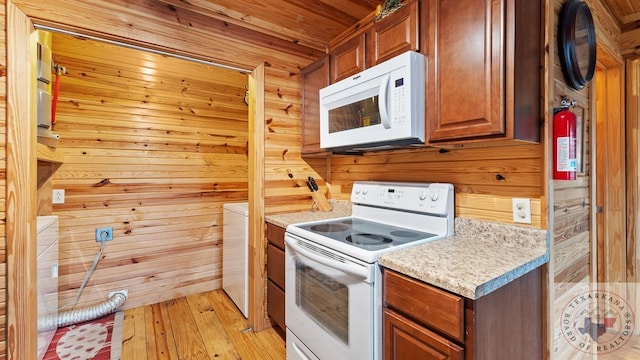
(484, 179)
(571, 248)
(153, 147)
(149, 25)
(3, 185)
(571, 245)
(283, 162)
(633, 179)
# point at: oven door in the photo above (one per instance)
(329, 301)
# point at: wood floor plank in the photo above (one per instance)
(235, 326)
(202, 326)
(272, 343)
(189, 343)
(248, 342)
(215, 338)
(134, 335)
(163, 340)
(151, 340)
(630, 350)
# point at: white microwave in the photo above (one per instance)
(379, 108)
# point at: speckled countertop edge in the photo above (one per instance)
(480, 258)
(339, 208)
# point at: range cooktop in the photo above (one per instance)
(364, 234)
(385, 216)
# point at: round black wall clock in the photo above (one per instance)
(577, 43)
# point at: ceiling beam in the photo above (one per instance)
(629, 18)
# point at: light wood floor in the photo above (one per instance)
(630, 350)
(201, 326)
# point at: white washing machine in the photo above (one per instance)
(235, 252)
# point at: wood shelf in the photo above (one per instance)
(49, 154)
(49, 160)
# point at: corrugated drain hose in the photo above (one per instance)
(74, 316)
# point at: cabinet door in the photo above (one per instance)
(314, 78)
(275, 304)
(275, 273)
(348, 57)
(407, 340)
(466, 81)
(394, 35)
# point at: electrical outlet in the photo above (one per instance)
(58, 196)
(104, 234)
(521, 210)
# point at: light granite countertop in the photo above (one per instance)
(339, 208)
(480, 258)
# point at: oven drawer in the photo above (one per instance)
(275, 235)
(436, 308)
(275, 303)
(275, 265)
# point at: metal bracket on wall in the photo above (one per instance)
(565, 103)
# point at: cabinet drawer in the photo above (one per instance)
(275, 265)
(275, 303)
(275, 235)
(425, 303)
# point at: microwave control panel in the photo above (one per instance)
(399, 102)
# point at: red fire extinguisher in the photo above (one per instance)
(564, 143)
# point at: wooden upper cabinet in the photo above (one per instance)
(348, 57)
(480, 84)
(314, 77)
(371, 42)
(394, 34)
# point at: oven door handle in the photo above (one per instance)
(348, 268)
(299, 351)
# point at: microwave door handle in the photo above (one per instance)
(348, 268)
(382, 100)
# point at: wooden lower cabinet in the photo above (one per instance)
(421, 321)
(275, 274)
(406, 339)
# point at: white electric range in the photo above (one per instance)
(333, 282)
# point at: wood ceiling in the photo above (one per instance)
(625, 11)
(627, 14)
(313, 23)
(310, 23)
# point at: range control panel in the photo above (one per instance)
(433, 198)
